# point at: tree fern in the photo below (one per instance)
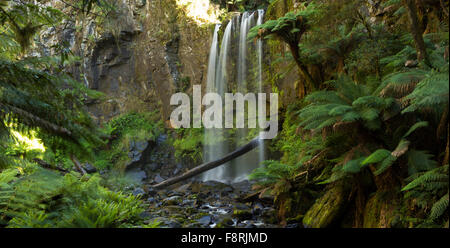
(431, 93)
(350, 102)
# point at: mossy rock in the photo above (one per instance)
(174, 200)
(327, 208)
(225, 223)
(242, 214)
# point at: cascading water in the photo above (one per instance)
(216, 82)
(225, 70)
(259, 45)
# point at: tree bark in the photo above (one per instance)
(39, 121)
(303, 69)
(78, 165)
(415, 29)
(209, 165)
(46, 165)
(444, 8)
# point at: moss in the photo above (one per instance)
(328, 208)
(242, 214)
(295, 219)
(380, 210)
(279, 8)
(124, 129)
(225, 223)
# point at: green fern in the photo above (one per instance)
(350, 102)
(36, 197)
(439, 208)
(431, 180)
(427, 185)
(431, 93)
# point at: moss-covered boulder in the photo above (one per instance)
(328, 208)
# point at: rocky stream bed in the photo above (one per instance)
(193, 203)
(208, 204)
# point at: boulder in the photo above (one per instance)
(139, 153)
(89, 168)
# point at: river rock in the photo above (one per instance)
(242, 214)
(257, 208)
(154, 166)
(136, 174)
(225, 223)
(138, 192)
(161, 139)
(89, 168)
(151, 191)
(158, 179)
(173, 200)
(205, 220)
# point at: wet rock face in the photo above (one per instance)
(142, 55)
(111, 62)
(139, 153)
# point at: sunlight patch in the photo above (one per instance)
(201, 11)
(32, 143)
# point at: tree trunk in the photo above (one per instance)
(303, 69)
(209, 165)
(416, 31)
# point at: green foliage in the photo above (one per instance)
(349, 102)
(430, 187)
(379, 116)
(189, 145)
(21, 22)
(34, 197)
(273, 172)
(289, 28)
(431, 93)
(32, 100)
(135, 124)
(431, 180)
(124, 130)
(299, 151)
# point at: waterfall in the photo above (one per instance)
(259, 45)
(246, 22)
(244, 71)
(214, 145)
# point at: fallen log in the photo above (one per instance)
(78, 165)
(209, 165)
(48, 166)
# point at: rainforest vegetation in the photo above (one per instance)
(363, 122)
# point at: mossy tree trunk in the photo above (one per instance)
(416, 30)
(328, 208)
